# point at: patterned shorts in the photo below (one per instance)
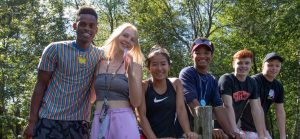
(55, 129)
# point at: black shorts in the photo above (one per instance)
(56, 129)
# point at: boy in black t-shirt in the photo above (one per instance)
(270, 91)
(238, 89)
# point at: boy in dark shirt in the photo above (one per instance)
(270, 91)
(200, 87)
(238, 89)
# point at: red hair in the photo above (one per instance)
(245, 53)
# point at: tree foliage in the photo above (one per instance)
(27, 26)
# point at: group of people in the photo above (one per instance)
(74, 75)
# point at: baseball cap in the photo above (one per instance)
(202, 42)
(273, 55)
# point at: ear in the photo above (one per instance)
(96, 29)
(75, 26)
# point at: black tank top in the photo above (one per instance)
(161, 110)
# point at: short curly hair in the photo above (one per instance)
(86, 10)
(245, 53)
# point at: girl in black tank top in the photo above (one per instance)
(163, 100)
(161, 110)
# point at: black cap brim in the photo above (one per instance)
(274, 57)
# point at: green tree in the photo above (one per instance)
(263, 27)
(27, 27)
(160, 22)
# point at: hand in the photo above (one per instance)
(219, 134)
(238, 135)
(128, 59)
(28, 132)
(191, 135)
(93, 95)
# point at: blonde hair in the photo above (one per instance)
(111, 43)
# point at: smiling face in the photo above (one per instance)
(127, 39)
(242, 66)
(86, 28)
(159, 66)
(202, 57)
(271, 68)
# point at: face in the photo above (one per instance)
(202, 57)
(86, 28)
(159, 67)
(242, 66)
(271, 68)
(127, 39)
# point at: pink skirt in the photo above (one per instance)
(122, 124)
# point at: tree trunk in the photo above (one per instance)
(203, 122)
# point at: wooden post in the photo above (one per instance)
(203, 122)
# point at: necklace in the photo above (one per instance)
(202, 93)
(105, 105)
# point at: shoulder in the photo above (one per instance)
(175, 81)
(226, 76)
(97, 49)
(61, 44)
(99, 52)
(187, 71)
(251, 80)
(64, 43)
(257, 76)
(225, 79)
(52, 47)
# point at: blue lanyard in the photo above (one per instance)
(202, 94)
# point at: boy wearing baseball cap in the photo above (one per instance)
(200, 87)
(270, 91)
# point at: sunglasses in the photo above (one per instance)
(199, 41)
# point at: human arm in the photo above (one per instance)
(258, 117)
(181, 110)
(224, 123)
(96, 72)
(226, 85)
(134, 72)
(193, 105)
(230, 114)
(280, 116)
(47, 65)
(43, 79)
(93, 94)
(148, 132)
(189, 83)
(279, 110)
